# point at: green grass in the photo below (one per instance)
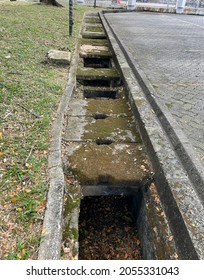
(27, 33)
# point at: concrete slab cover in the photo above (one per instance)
(115, 164)
(90, 107)
(91, 48)
(94, 74)
(116, 129)
(108, 106)
(94, 51)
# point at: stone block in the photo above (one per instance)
(59, 57)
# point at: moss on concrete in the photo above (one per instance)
(93, 35)
(92, 20)
(119, 129)
(96, 42)
(162, 238)
(95, 74)
(70, 221)
(94, 28)
(108, 107)
(115, 164)
(94, 53)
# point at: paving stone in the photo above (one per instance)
(169, 50)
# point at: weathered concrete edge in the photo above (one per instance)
(176, 191)
(50, 246)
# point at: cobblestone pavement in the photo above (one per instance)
(169, 48)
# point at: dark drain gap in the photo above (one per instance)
(96, 83)
(100, 116)
(100, 94)
(107, 229)
(97, 62)
(101, 141)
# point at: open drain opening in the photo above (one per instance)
(96, 83)
(100, 94)
(97, 62)
(107, 229)
(100, 116)
(102, 141)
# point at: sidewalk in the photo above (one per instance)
(161, 58)
(169, 49)
(166, 53)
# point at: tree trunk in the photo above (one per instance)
(51, 2)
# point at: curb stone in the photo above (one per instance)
(50, 246)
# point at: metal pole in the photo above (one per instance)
(94, 3)
(70, 17)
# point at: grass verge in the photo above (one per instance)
(30, 90)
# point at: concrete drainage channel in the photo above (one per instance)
(104, 155)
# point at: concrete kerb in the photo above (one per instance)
(178, 194)
(50, 246)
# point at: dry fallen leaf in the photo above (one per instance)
(171, 238)
(19, 256)
(107, 232)
(138, 242)
(13, 199)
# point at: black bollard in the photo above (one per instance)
(70, 17)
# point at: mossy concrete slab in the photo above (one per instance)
(96, 74)
(118, 129)
(108, 107)
(87, 50)
(98, 24)
(115, 164)
(92, 19)
(93, 35)
(91, 107)
(93, 42)
(93, 28)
